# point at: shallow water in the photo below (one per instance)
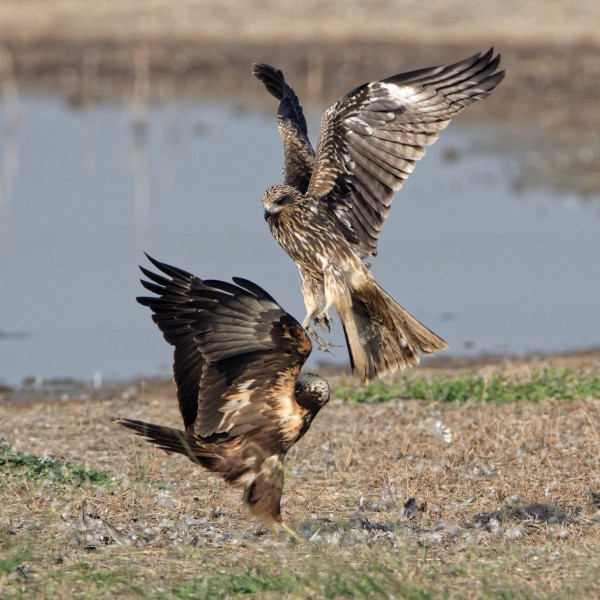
(84, 192)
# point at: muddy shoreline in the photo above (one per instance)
(116, 50)
(67, 389)
(548, 100)
(544, 83)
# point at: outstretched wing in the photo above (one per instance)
(298, 152)
(175, 316)
(238, 354)
(371, 139)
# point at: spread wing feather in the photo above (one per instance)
(173, 313)
(371, 139)
(298, 152)
(237, 354)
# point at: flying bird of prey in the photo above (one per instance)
(237, 363)
(328, 213)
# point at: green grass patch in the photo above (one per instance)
(9, 563)
(95, 580)
(559, 384)
(322, 581)
(17, 463)
(224, 585)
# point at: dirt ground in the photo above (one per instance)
(456, 500)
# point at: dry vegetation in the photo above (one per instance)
(400, 498)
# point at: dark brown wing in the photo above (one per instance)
(175, 317)
(241, 352)
(298, 152)
(371, 139)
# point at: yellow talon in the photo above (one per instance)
(291, 532)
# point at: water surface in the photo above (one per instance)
(84, 192)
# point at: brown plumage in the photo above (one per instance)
(328, 213)
(237, 363)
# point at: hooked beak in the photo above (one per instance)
(271, 210)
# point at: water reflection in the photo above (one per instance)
(485, 269)
(11, 119)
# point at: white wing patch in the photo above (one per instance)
(235, 402)
(359, 125)
(407, 93)
(403, 93)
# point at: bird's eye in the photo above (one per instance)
(283, 200)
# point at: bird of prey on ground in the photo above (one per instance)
(237, 363)
(328, 213)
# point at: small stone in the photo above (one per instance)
(561, 533)
(411, 509)
(514, 533)
(493, 526)
(434, 538)
(163, 500)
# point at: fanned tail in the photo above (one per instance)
(382, 337)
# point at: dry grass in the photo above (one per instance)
(507, 507)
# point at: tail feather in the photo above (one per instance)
(382, 337)
(174, 440)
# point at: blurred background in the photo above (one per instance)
(136, 125)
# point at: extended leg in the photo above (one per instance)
(289, 531)
(314, 300)
(334, 288)
(313, 294)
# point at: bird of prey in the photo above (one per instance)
(237, 363)
(328, 213)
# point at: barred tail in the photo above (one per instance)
(382, 337)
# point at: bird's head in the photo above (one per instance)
(312, 392)
(277, 197)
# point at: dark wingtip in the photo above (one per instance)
(146, 272)
(144, 300)
(487, 55)
(171, 271)
(272, 79)
(261, 69)
(155, 262)
(253, 288)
